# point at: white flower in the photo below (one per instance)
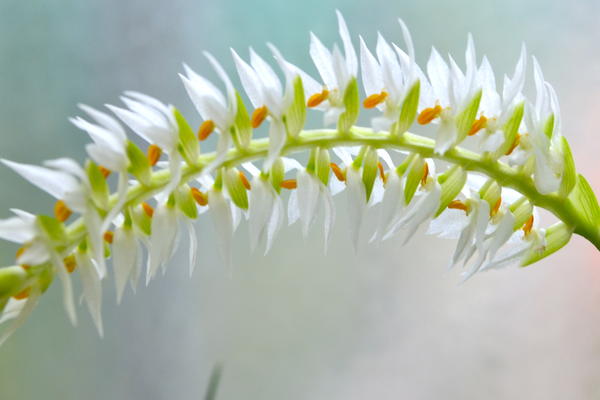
(127, 257)
(163, 240)
(17, 311)
(92, 288)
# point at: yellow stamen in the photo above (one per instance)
(375, 99)
(429, 114)
(104, 171)
(258, 116)
(61, 211)
(199, 197)
(478, 125)
(22, 295)
(514, 145)
(70, 263)
(458, 205)
(528, 226)
(148, 209)
(206, 128)
(245, 181)
(337, 171)
(289, 184)
(317, 98)
(381, 172)
(425, 174)
(109, 237)
(154, 153)
(496, 207)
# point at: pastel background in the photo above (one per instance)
(387, 323)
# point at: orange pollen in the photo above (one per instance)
(528, 226)
(22, 295)
(381, 172)
(514, 145)
(429, 114)
(109, 237)
(245, 181)
(70, 263)
(104, 171)
(258, 116)
(154, 153)
(478, 125)
(206, 128)
(199, 197)
(496, 207)
(289, 184)
(61, 211)
(375, 99)
(26, 267)
(317, 98)
(458, 205)
(148, 209)
(425, 174)
(337, 171)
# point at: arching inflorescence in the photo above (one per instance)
(485, 197)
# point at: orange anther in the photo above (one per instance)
(70, 263)
(458, 205)
(381, 172)
(429, 114)
(20, 251)
(289, 184)
(514, 145)
(337, 171)
(148, 209)
(528, 226)
(317, 98)
(375, 99)
(245, 181)
(496, 207)
(478, 125)
(22, 295)
(425, 174)
(206, 128)
(61, 211)
(104, 171)
(258, 116)
(199, 197)
(109, 237)
(154, 153)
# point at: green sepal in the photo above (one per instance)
(277, 174)
(139, 166)
(295, 116)
(53, 229)
(100, 189)
(322, 165)
(351, 107)
(188, 145)
(370, 170)
(557, 236)
(569, 176)
(311, 164)
(452, 181)
(413, 177)
(522, 211)
(408, 112)
(401, 169)
(13, 280)
(3, 302)
(242, 130)
(511, 129)
(142, 221)
(465, 119)
(235, 188)
(45, 278)
(491, 192)
(549, 126)
(185, 202)
(584, 203)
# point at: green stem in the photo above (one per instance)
(505, 175)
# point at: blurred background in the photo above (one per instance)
(387, 323)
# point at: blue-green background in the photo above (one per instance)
(388, 323)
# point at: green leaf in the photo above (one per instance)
(100, 190)
(139, 166)
(569, 176)
(352, 107)
(557, 236)
(408, 111)
(465, 119)
(188, 144)
(235, 187)
(185, 202)
(413, 178)
(370, 170)
(322, 165)
(242, 133)
(295, 115)
(452, 182)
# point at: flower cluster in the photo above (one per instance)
(486, 198)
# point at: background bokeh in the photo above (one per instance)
(387, 323)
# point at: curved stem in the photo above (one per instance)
(327, 138)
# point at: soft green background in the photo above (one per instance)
(388, 323)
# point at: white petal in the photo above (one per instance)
(193, 246)
(371, 72)
(439, 76)
(293, 208)
(19, 316)
(223, 222)
(125, 253)
(105, 120)
(53, 182)
(16, 230)
(308, 196)
(65, 279)
(162, 240)
(357, 199)
(323, 61)
(349, 52)
(250, 80)
(92, 289)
